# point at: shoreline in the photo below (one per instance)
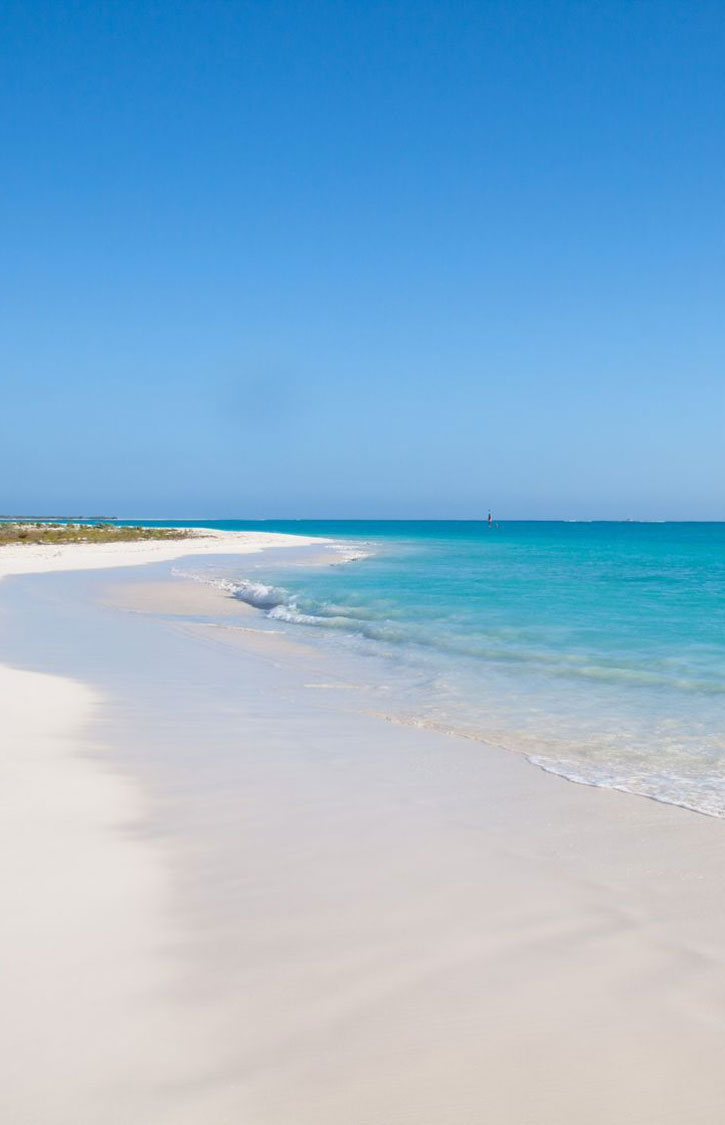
(351, 921)
(497, 740)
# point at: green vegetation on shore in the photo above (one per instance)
(42, 532)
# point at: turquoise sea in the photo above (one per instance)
(596, 649)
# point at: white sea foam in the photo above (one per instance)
(257, 594)
(349, 553)
(702, 795)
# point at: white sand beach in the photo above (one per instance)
(42, 559)
(83, 940)
(267, 906)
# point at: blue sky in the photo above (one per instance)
(360, 259)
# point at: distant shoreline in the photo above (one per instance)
(34, 558)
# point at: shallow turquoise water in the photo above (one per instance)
(598, 649)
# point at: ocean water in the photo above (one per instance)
(595, 649)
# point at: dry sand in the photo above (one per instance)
(33, 558)
(365, 924)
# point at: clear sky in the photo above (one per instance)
(363, 259)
